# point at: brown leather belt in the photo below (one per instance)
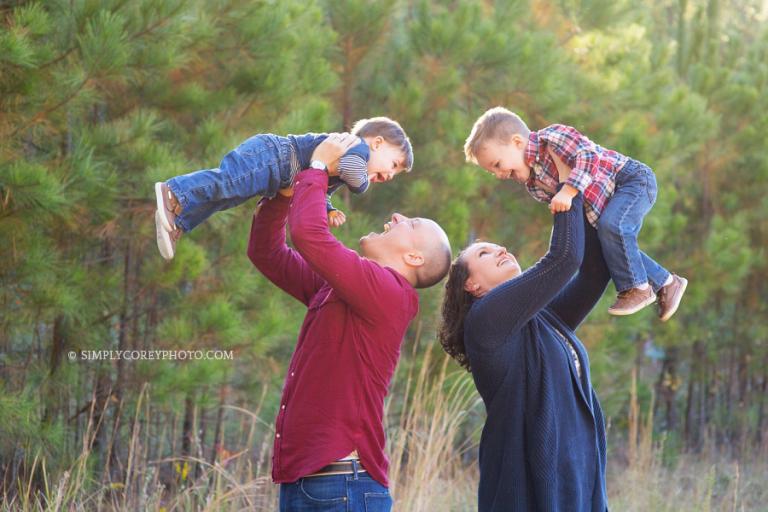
(339, 468)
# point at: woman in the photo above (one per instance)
(543, 444)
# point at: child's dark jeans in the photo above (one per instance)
(620, 224)
(260, 166)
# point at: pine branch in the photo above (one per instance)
(44, 113)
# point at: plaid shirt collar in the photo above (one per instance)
(534, 160)
(531, 155)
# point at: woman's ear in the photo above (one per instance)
(472, 287)
(377, 142)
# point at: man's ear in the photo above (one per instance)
(414, 258)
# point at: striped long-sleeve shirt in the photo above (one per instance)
(353, 172)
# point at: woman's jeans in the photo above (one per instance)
(342, 493)
(620, 223)
(260, 166)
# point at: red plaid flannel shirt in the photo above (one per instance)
(594, 167)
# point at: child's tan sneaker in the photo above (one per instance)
(166, 242)
(670, 296)
(166, 232)
(631, 301)
(167, 205)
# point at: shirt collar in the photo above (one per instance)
(532, 148)
(531, 153)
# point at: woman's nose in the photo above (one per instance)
(396, 217)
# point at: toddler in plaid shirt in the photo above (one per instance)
(265, 163)
(618, 192)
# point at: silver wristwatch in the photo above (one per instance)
(318, 164)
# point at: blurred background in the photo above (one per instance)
(100, 99)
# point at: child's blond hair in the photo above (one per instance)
(496, 123)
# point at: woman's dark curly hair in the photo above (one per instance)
(456, 304)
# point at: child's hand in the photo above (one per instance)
(336, 218)
(562, 200)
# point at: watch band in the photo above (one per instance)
(318, 164)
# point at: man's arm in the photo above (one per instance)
(270, 254)
(364, 285)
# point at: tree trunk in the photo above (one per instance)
(52, 398)
(186, 429)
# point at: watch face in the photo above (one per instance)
(318, 164)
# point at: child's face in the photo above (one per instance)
(505, 160)
(385, 162)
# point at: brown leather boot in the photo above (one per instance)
(670, 296)
(631, 301)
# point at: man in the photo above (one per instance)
(329, 434)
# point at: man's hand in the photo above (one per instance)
(336, 218)
(331, 149)
(562, 200)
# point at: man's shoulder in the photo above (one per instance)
(391, 289)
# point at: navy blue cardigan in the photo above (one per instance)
(543, 444)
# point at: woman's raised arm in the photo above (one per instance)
(510, 305)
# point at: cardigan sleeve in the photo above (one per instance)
(513, 303)
(580, 295)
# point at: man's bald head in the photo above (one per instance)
(417, 248)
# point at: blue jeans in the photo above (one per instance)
(620, 223)
(336, 493)
(260, 166)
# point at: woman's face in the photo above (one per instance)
(489, 265)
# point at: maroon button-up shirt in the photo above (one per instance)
(349, 344)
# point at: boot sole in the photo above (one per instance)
(676, 304)
(638, 307)
(164, 243)
(160, 200)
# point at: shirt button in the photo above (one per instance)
(283, 406)
(277, 435)
(292, 374)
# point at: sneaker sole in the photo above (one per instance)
(161, 207)
(638, 307)
(676, 303)
(164, 244)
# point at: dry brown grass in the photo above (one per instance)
(428, 441)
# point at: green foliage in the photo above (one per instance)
(98, 100)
